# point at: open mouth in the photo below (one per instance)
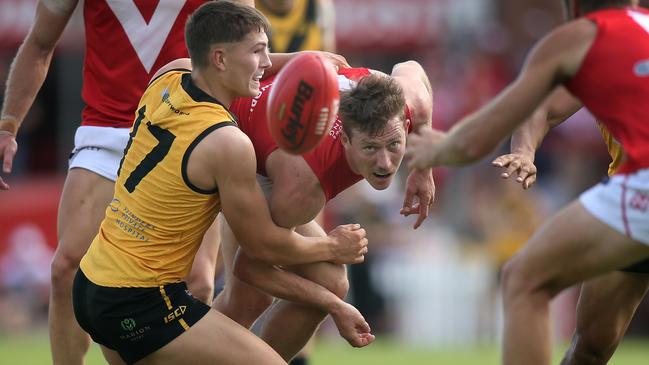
(382, 175)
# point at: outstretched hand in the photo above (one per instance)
(351, 246)
(518, 164)
(8, 148)
(352, 326)
(420, 185)
(419, 150)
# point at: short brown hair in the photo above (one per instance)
(369, 106)
(220, 21)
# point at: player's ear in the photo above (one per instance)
(217, 58)
(344, 138)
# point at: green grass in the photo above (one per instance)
(33, 349)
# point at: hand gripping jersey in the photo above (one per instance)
(327, 161)
(127, 41)
(157, 218)
(298, 30)
(613, 81)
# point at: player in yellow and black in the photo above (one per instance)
(299, 25)
(606, 303)
(185, 161)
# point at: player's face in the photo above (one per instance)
(377, 158)
(246, 62)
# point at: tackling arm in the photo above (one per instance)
(419, 98)
(229, 156)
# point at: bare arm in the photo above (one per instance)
(419, 98)
(29, 68)
(228, 156)
(27, 73)
(285, 284)
(557, 57)
(527, 138)
(280, 59)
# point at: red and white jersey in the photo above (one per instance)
(327, 161)
(613, 81)
(127, 41)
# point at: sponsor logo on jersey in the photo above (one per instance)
(165, 99)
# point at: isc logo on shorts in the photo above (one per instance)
(175, 314)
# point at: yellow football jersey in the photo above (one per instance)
(156, 219)
(614, 149)
(298, 30)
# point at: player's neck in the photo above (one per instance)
(211, 84)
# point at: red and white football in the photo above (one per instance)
(303, 103)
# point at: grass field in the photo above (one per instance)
(32, 349)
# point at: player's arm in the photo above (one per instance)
(557, 57)
(177, 64)
(419, 98)
(280, 59)
(417, 90)
(27, 72)
(228, 155)
(285, 284)
(527, 138)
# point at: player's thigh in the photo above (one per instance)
(572, 247)
(607, 303)
(83, 204)
(215, 339)
(111, 356)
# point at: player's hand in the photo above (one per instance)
(337, 60)
(351, 325)
(420, 184)
(8, 148)
(518, 164)
(419, 150)
(350, 244)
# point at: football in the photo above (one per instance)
(303, 103)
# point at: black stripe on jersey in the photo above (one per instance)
(197, 94)
(166, 72)
(297, 41)
(189, 152)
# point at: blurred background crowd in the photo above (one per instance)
(437, 285)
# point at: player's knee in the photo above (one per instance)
(340, 286)
(63, 267)
(513, 278)
(517, 280)
(333, 277)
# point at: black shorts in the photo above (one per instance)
(135, 322)
(641, 267)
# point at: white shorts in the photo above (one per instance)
(99, 149)
(622, 203)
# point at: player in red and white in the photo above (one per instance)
(367, 141)
(602, 58)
